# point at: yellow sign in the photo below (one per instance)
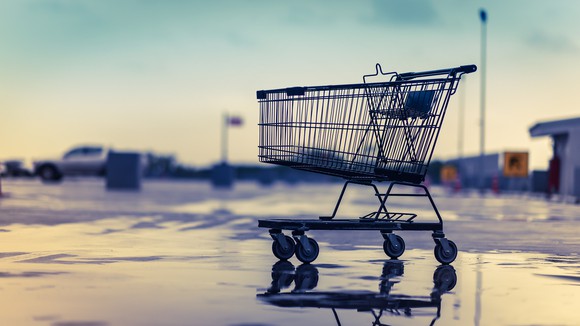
(448, 173)
(515, 164)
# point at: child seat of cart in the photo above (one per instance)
(418, 104)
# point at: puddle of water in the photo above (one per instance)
(147, 266)
(166, 276)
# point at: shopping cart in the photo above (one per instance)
(365, 133)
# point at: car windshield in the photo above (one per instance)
(83, 151)
(93, 151)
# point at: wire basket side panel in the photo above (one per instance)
(378, 131)
(323, 131)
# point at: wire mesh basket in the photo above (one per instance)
(371, 131)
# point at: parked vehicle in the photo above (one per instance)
(15, 168)
(83, 160)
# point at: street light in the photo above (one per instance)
(483, 17)
(228, 121)
(461, 118)
(223, 174)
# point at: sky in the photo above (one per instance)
(159, 75)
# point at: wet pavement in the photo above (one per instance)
(182, 253)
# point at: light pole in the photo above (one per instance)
(225, 126)
(461, 118)
(460, 130)
(223, 174)
(483, 17)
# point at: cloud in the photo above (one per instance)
(551, 42)
(404, 12)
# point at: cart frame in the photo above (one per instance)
(364, 133)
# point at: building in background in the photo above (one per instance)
(469, 171)
(564, 168)
(501, 171)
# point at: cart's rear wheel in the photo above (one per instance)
(284, 253)
(307, 256)
(446, 257)
(394, 248)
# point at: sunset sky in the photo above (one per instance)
(158, 75)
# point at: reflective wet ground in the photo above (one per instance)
(184, 254)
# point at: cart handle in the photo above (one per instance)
(378, 71)
(467, 69)
(299, 91)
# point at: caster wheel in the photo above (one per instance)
(445, 278)
(282, 276)
(284, 253)
(446, 257)
(392, 268)
(306, 278)
(394, 249)
(307, 256)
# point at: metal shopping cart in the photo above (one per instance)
(365, 133)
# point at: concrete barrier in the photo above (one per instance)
(123, 171)
(223, 176)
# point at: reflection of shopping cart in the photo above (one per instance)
(379, 131)
(304, 295)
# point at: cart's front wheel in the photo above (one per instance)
(445, 278)
(446, 257)
(394, 246)
(281, 252)
(307, 256)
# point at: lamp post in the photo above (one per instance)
(460, 131)
(461, 118)
(223, 174)
(225, 126)
(228, 121)
(483, 17)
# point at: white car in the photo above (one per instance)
(83, 160)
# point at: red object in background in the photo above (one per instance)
(457, 185)
(495, 184)
(235, 121)
(554, 175)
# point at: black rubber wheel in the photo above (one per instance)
(282, 276)
(303, 255)
(392, 268)
(49, 173)
(306, 278)
(446, 257)
(394, 250)
(102, 172)
(445, 278)
(281, 252)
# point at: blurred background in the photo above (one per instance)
(166, 90)
(158, 77)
